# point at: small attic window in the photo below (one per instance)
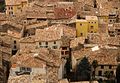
(80, 24)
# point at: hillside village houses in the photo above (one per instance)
(14, 7)
(43, 41)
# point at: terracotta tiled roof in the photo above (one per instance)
(14, 2)
(67, 31)
(76, 41)
(103, 39)
(37, 24)
(18, 79)
(5, 50)
(47, 35)
(106, 7)
(14, 33)
(33, 62)
(37, 58)
(20, 57)
(63, 81)
(2, 17)
(64, 13)
(30, 39)
(36, 12)
(38, 78)
(91, 18)
(65, 41)
(95, 38)
(113, 41)
(5, 38)
(103, 56)
(64, 10)
(27, 60)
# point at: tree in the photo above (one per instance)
(2, 6)
(94, 65)
(108, 74)
(118, 73)
(83, 70)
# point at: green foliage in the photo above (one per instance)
(2, 6)
(108, 74)
(118, 73)
(94, 65)
(83, 70)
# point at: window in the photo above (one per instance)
(62, 52)
(110, 67)
(91, 27)
(15, 47)
(46, 46)
(100, 73)
(9, 13)
(102, 67)
(39, 43)
(112, 72)
(118, 30)
(64, 48)
(11, 8)
(81, 34)
(12, 13)
(14, 42)
(54, 47)
(91, 31)
(25, 69)
(66, 52)
(46, 43)
(110, 20)
(22, 69)
(54, 42)
(2, 43)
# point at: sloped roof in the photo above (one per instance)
(104, 56)
(18, 79)
(30, 39)
(2, 17)
(47, 35)
(35, 11)
(67, 31)
(14, 2)
(76, 41)
(63, 81)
